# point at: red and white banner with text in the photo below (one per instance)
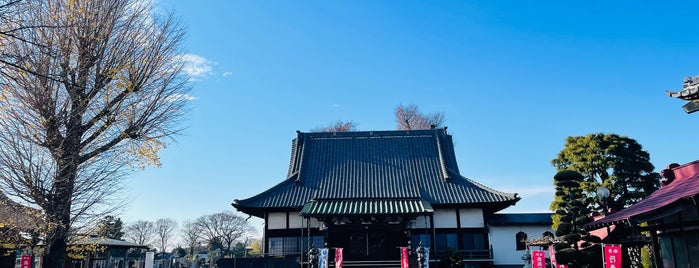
(404, 263)
(338, 257)
(552, 256)
(538, 259)
(611, 254)
(26, 261)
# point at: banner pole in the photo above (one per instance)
(604, 263)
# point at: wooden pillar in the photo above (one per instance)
(657, 262)
(265, 247)
(433, 247)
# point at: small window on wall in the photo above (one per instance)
(444, 242)
(416, 239)
(316, 241)
(279, 246)
(521, 239)
(474, 241)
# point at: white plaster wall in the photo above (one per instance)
(421, 222)
(471, 218)
(276, 220)
(446, 218)
(503, 241)
(296, 221)
(314, 223)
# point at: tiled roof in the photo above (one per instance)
(418, 164)
(366, 207)
(520, 218)
(690, 93)
(685, 185)
(685, 94)
(14, 215)
(690, 89)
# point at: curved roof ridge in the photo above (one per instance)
(440, 157)
(491, 190)
(363, 133)
(289, 179)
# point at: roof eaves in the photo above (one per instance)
(509, 196)
(689, 93)
(635, 219)
(241, 203)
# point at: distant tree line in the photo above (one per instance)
(225, 232)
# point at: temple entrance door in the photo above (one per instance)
(362, 242)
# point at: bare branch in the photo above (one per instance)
(408, 117)
(87, 88)
(223, 229)
(164, 230)
(140, 232)
(339, 126)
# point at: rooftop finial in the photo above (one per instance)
(691, 81)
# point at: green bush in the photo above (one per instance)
(566, 255)
(564, 228)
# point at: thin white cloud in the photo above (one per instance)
(180, 96)
(336, 105)
(226, 74)
(196, 66)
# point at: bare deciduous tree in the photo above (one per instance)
(190, 236)
(224, 228)
(140, 232)
(87, 99)
(410, 118)
(164, 230)
(339, 126)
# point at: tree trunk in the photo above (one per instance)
(57, 256)
(58, 216)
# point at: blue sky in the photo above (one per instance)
(514, 79)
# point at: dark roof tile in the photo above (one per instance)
(418, 164)
(685, 185)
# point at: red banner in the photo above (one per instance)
(552, 256)
(404, 263)
(538, 259)
(26, 261)
(338, 257)
(611, 255)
